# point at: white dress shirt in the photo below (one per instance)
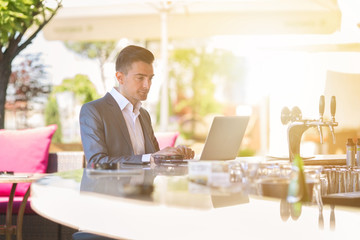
(131, 115)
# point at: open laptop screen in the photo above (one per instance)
(224, 138)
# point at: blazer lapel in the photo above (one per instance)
(149, 146)
(121, 120)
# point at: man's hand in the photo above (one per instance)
(186, 152)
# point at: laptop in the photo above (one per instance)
(224, 138)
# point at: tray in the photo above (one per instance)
(350, 199)
(329, 159)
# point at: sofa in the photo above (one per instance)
(35, 227)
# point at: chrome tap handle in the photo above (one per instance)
(321, 134)
(321, 119)
(321, 107)
(285, 115)
(296, 114)
(333, 108)
(332, 133)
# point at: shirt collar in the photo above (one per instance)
(123, 102)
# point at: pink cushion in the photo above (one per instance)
(16, 205)
(166, 139)
(24, 151)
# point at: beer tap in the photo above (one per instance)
(332, 123)
(321, 119)
(298, 125)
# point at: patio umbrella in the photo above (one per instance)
(163, 20)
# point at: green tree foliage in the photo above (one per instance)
(194, 71)
(99, 50)
(84, 91)
(81, 86)
(20, 22)
(52, 116)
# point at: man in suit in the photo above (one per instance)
(115, 128)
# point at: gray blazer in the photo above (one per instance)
(104, 134)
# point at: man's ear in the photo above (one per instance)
(120, 77)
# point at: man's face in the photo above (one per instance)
(135, 85)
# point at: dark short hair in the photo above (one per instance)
(131, 54)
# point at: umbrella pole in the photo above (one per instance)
(164, 103)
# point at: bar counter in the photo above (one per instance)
(162, 202)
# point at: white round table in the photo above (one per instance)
(177, 210)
